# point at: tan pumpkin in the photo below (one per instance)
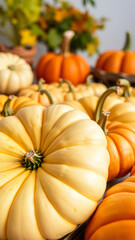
(15, 73)
(44, 94)
(65, 177)
(10, 105)
(93, 88)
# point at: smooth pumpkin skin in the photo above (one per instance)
(12, 80)
(121, 147)
(117, 61)
(96, 89)
(53, 66)
(115, 216)
(88, 104)
(123, 112)
(63, 192)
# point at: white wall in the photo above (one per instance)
(121, 18)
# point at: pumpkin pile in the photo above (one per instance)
(61, 141)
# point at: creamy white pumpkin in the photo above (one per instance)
(15, 73)
(49, 201)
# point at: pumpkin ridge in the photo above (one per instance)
(52, 126)
(9, 76)
(55, 58)
(117, 168)
(13, 202)
(103, 226)
(73, 188)
(25, 130)
(71, 125)
(119, 150)
(78, 68)
(52, 202)
(13, 177)
(35, 204)
(103, 207)
(77, 167)
(12, 140)
(18, 165)
(64, 129)
(125, 137)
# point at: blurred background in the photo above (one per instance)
(117, 17)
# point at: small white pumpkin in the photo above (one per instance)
(15, 73)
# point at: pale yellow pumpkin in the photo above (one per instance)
(15, 73)
(66, 159)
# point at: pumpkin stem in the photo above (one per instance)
(40, 84)
(102, 99)
(124, 83)
(88, 80)
(60, 82)
(32, 160)
(65, 47)
(48, 95)
(7, 111)
(103, 119)
(128, 42)
(11, 67)
(71, 89)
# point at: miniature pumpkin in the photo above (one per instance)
(115, 216)
(65, 178)
(90, 103)
(93, 88)
(10, 105)
(15, 73)
(65, 65)
(117, 61)
(127, 92)
(43, 93)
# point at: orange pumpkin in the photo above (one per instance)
(66, 65)
(115, 216)
(120, 145)
(117, 61)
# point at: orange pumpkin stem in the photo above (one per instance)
(103, 119)
(124, 83)
(65, 48)
(102, 99)
(128, 42)
(7, 111)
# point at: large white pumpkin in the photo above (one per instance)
(53, 171)
(15, 73)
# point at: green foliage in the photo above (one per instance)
(53, 38)
(18, 15)
(62, 16)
